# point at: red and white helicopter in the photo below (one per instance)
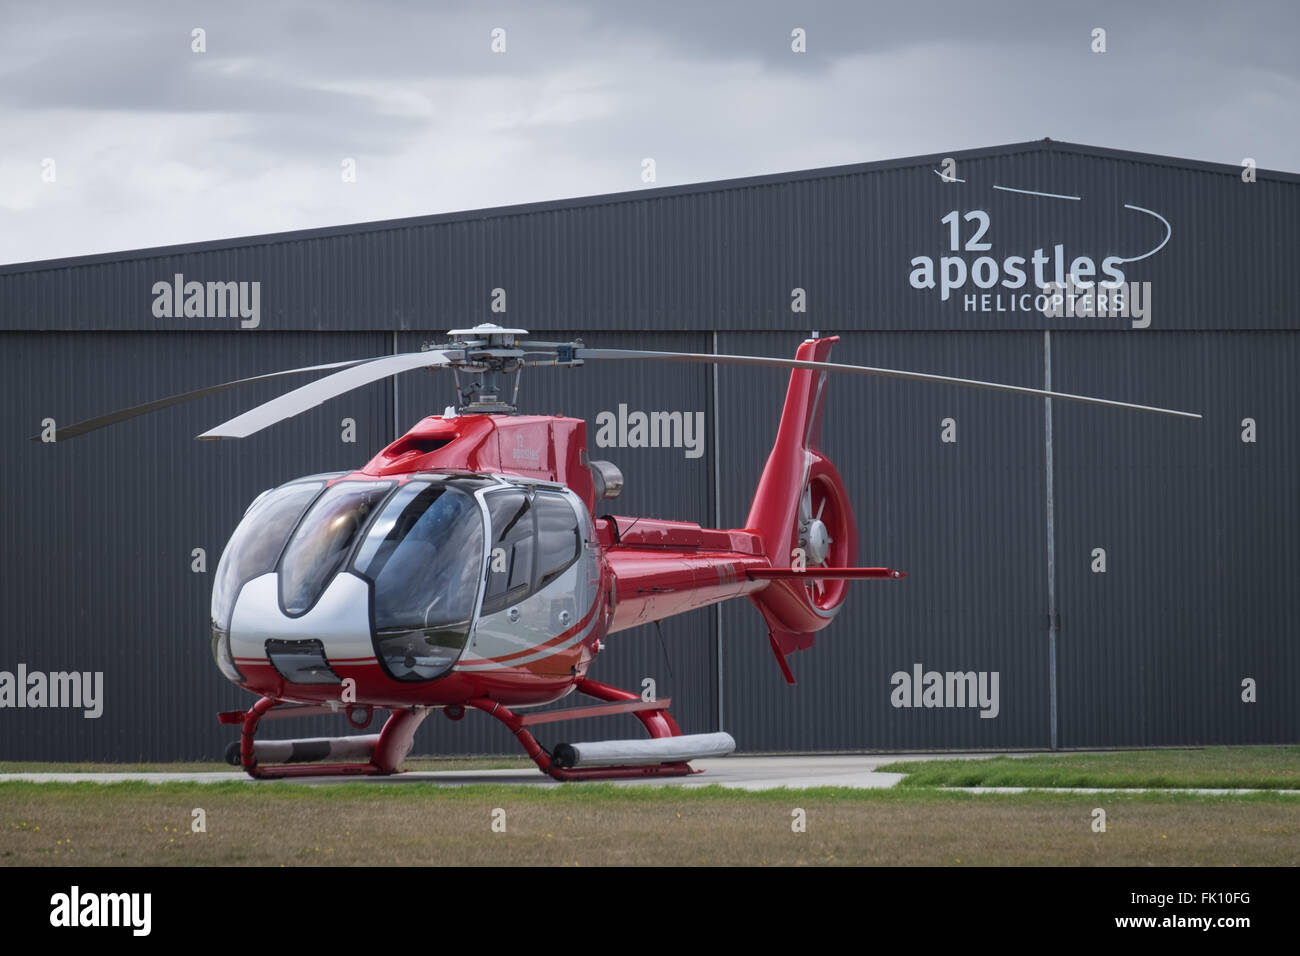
(468, 565)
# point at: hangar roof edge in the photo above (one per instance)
(636, 195)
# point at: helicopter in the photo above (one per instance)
(470, 565)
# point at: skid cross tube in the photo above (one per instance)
(652, 714)
(600, 710)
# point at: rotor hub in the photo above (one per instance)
(486, 335)
(491, 359)
(815, 541)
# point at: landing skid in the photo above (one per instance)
(665, 754)
(653, 715)
(386, 750)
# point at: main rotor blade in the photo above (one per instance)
(125, 414)
(706, 359)
(323, 389)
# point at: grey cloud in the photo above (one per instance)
(710, 90)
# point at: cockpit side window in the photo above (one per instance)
(535, 537)
(251, 552)
(558, 539)
(256, 544)
(510, 554)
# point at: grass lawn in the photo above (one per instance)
(602, 824)
(1267, 768)
(415, 763)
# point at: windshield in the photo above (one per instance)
(424, 555)
(420, 547)
(322, 542)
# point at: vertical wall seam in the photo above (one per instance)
(717, 523)
(392, 383)
(1050, 505)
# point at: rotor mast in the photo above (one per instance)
(493, 361)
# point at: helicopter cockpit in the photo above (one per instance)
(418, 546)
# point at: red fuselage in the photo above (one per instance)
(641, 570)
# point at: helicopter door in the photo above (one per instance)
(531, 596)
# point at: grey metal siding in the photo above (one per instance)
(726, 258)
(1200, 529)
(1202, 538)
(99, 531)
(964, 520)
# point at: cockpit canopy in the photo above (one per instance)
(419, 544)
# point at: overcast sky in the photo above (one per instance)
(153, 143)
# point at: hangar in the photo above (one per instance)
(1078, 576)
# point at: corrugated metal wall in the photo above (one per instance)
(1200, 529)
(99, 535)
(725, 256)
(963, 519)
(1201, 533)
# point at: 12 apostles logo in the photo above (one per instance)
(1055, 281)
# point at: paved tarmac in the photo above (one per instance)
(741, 772)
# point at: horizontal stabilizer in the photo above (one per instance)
(816, 573)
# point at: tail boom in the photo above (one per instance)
(801, 512)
